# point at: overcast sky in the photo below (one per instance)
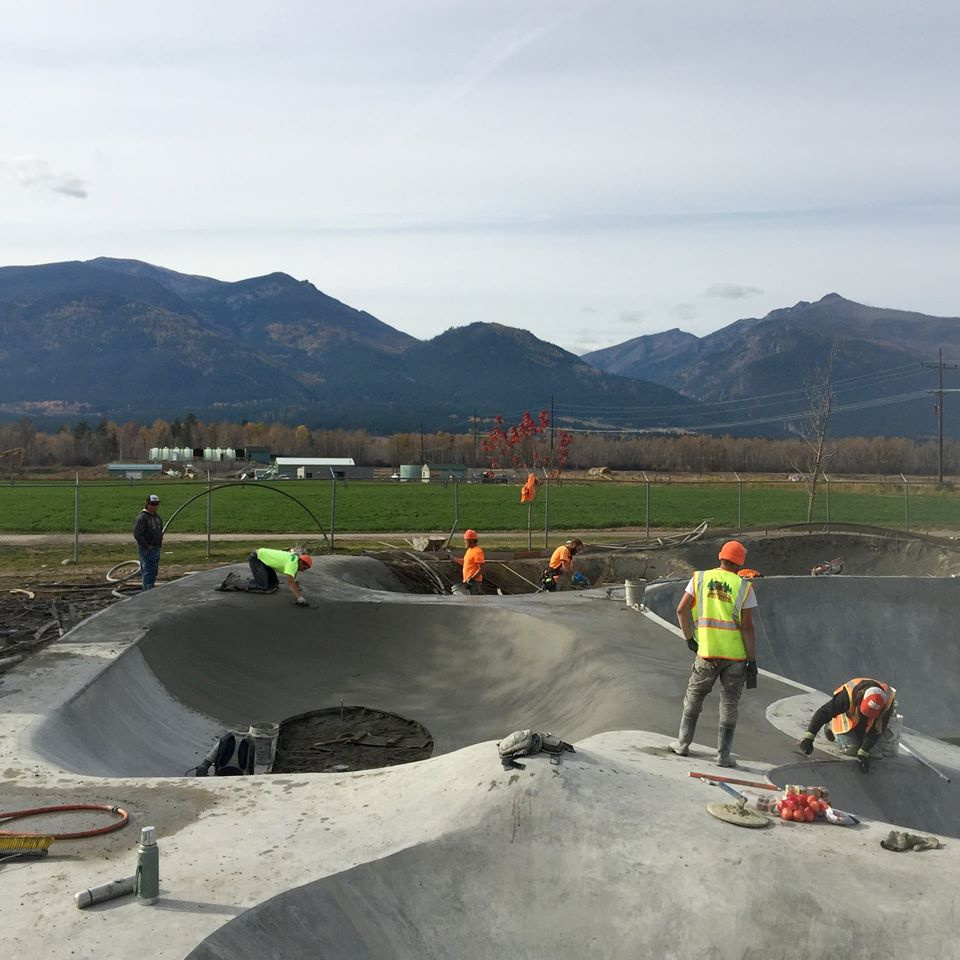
(590, 171)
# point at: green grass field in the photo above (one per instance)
(368, 506)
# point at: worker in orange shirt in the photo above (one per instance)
(473, 560)
(559, 573)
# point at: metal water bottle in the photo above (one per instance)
(147, 882)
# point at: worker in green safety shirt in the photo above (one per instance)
(266, 564)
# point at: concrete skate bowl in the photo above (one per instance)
(468, 669)
(821, 631)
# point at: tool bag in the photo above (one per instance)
(232, 756)
(528, 743)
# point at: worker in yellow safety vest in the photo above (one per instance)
(720, 605)
(859, 714)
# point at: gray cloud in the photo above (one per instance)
(732, 291)
(587, 310)
(585, 340)
(632, 316)
(684, 311)
(34, 172)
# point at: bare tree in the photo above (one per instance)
(813, 427)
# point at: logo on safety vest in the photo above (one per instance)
(719, 590)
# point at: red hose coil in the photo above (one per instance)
(96, 832)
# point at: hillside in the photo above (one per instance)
(128, 340)
(881, 385)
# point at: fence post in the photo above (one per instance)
(646, 507)
(739, 502)
(456, 504)
(209, 511)
(906, 503)
(76, 519)
(333, 507)
(546, 508)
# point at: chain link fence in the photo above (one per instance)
(321, 513)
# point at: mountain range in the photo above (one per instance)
(131, 341)
(882, 374)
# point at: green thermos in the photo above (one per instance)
(147, 881)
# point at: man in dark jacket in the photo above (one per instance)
(148, 532)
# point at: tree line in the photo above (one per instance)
(84, 444)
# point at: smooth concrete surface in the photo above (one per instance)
(611, 853)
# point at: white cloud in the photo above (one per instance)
(33, 172)
(439, 164)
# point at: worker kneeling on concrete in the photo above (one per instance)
(725, 644)
(861, 712)
(266, 564)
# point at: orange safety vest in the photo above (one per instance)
(473, 564)
(845, 722)
(718, 600)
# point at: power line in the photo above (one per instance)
(779, 418)
(875, 378)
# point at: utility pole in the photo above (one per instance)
(551, 427)
(940, 365)
(422, 455)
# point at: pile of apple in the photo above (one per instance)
(802, 807)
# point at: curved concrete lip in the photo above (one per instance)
(432, 858)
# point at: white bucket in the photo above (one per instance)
(890, 738)
(264, 736)
(634, 590)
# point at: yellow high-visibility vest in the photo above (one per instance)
(718, 600)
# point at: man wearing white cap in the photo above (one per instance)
(148, 532)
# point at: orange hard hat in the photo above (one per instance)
(734, 551)
(306, 559)
(470, 535)
(873, 702)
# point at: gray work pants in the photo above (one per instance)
(732, 675)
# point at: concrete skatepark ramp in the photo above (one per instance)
(609, 853)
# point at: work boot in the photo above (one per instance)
(688, 726)
(724, 743)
